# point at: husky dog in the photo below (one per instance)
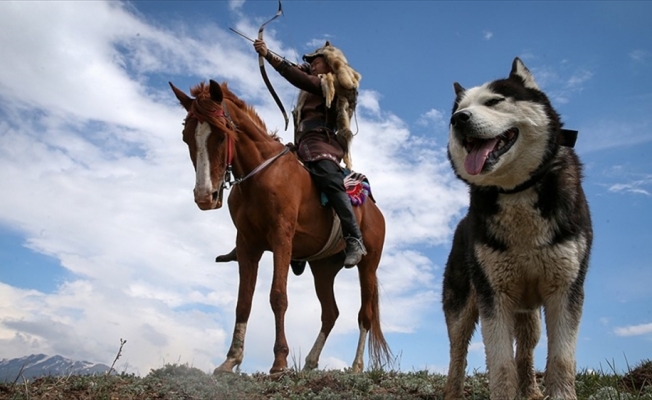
(524, 243)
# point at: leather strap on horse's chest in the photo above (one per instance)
(228, 181)
(332, 244)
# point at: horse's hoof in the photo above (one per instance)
(278, 374)
(310, 367)
(221, 370)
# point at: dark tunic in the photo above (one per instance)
(314, 134)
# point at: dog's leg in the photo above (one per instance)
(527, 330)
(497, 325)
(562, 324)
(460, 305)
(461, 325)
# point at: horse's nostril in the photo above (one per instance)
(214, 195)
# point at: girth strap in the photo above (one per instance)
(333, 243)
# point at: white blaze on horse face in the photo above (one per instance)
(203, 184)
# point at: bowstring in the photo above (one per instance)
(297, 61)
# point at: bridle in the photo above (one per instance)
(228, 180)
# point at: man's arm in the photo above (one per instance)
(297, 75)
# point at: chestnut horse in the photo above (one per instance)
(275, 207)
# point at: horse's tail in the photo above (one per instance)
(380, 355)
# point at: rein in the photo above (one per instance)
(255, 170)
(228, 180)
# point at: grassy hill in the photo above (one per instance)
(174, 382)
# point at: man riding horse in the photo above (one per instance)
(229, 144)
(327, 99)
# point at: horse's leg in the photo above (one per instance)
(278, 299)
(365, 315)
(369, 314)
(248, 270)
(324, 273)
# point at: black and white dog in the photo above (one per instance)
(524, 243)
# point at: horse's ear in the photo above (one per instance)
(216, 91)
(183, 98)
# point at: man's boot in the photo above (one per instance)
(354, 247)
(354, 251)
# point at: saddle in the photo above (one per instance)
(357, 188)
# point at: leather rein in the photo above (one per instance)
(228, 180)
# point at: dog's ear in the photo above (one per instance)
(519, 70)
(458, 89)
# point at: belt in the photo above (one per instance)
(311, 125)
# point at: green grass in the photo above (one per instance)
(173, 382)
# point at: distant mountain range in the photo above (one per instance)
(38, 365)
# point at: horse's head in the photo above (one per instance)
(209, 133)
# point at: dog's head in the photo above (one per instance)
(503, 132)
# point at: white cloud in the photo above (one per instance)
(236, 4)
(634, 330)
(487, 35)
(562, 82)
(603, 134)
(578, 79)
(477, 347)
(369, 101)
(639, 55)
(314, 44)
(433, 117)
(633, 187)
(635, 183)
(94, 174)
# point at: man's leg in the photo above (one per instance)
(328, 178)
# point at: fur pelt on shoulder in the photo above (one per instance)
(341, 84)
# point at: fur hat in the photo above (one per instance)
(343, 82)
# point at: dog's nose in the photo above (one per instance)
(460, 118)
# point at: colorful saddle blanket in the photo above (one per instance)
(357, 187)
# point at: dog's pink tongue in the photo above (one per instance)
(478, 155)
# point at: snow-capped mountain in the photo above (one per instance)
(37, 365)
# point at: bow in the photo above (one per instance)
(261, 64)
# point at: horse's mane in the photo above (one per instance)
(205, 107)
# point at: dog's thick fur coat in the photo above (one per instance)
(524, 243)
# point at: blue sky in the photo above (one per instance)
(100, 238)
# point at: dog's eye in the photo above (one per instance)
(493, 102)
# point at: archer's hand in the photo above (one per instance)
(260, 47)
